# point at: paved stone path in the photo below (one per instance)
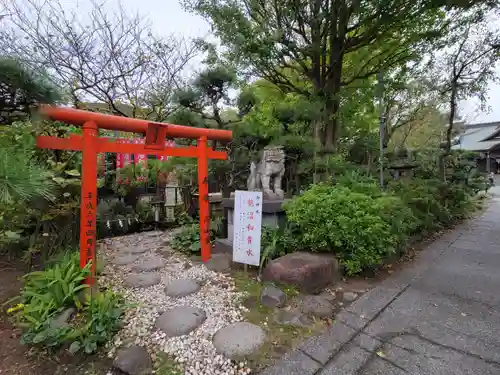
(180, 309)
(439, 316)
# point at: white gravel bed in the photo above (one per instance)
(194, 352)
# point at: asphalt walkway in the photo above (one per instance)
(439, 316)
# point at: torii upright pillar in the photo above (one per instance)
(91, 144)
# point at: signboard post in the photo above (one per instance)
(247, 227)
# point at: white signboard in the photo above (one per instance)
(247, 223)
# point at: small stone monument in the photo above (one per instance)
(173, 197)
(265, 176)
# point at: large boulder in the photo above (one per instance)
(310, 273)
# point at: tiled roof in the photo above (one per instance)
(479, 137)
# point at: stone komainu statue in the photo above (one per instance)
(270, 168)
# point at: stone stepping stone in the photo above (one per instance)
(180, 320)
(181, 287)
(151, 264)
(142, 280)
(153, 234)
(133, 360)
(239, 339)
(134, 250)
(123, 260)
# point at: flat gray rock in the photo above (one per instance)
(219, 263)
(180, 320)
(124, 260)
(153, 234)
(315, 305)
(142, 280)
(134, 249)
(134, 360)
(151, 264)
(181, 287)
(238, 339)
(272, 297)
(328, 296)
(350, 296)
(292, 318)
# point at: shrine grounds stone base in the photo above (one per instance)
(438, 316)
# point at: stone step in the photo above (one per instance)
(124, 260)
(239, 339)
(181, 288)
(142, 280)
(151, 264)
(134, 249)
(180, 320)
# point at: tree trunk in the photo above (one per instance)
(318, 141)
(332, 105)
(449, 132)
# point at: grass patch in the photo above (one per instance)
(280, 338)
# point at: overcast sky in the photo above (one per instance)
(167, 17)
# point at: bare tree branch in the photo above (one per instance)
(111, 59)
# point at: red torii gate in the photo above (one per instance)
(90, 145)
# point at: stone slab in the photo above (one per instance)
(239, 339)
(181, 288)
(348, 362)
(180, 320)
(293, 363)
(151, 264)
(142, 280)
(124, 260)
(322, 347)
(134, 249)
(411, 354)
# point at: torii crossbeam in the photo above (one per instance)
(91, 144)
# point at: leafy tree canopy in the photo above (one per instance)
(313, 38)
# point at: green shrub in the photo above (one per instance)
(457, 198)
(422, 197)
(102, 318)
(398, 215)
(360, 182)
(187, 240)
(338, 220)
(46, 294)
